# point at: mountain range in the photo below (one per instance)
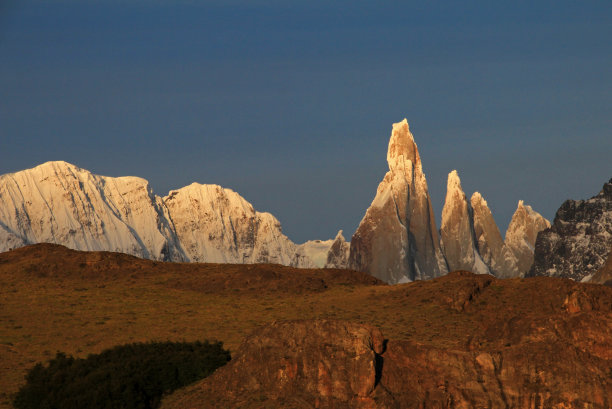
(396, 241)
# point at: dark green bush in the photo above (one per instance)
(133, 376)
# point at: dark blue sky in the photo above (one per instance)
(291, 103)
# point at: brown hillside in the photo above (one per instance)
(54, 299)
(537, 343)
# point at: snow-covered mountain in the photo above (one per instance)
(521, 235)
(458, 240)
(397, 240)
(58, 202)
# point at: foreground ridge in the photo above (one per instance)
(529, 356)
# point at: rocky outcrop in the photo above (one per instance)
(557, 356)
(338, 254)
(60, 203)
(522, 233)
(292, 364)
(397, 240)
(457, 230)
(491, 247)
(579, 241)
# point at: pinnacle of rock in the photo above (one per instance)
(522, 233)
(457, 230)
(397, 239)
(402, 147)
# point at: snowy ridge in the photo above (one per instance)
(315, 250)
(57, 202)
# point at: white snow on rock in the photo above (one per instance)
(491, 247)
(58, 202)
(315, 250)
(397, 239)
(217, 225)
(338, 254)
(522, 233)
(457, 230)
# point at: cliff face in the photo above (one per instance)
(579, 241)
(524, 351)
(217, 225)
(522, 233)
(397, 240)
(338, 254)
(494, 252)
(457, 230)
(60, 203)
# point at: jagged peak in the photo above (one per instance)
(454, 188)
(477, 197)
(454, 195)
(339, 236)
(402, 147)
(522, 207)
(453, 182)
(522, 214)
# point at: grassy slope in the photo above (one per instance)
(52, 299)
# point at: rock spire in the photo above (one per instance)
(457, 230)
(397, 239)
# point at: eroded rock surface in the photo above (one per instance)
(577, 244)
(60, 203)
(494, 252)
(338, 254)
(522, 233)
(556, 356)
(457, 230)
(397, 240)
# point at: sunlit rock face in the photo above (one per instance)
(217, 225)
(338, 254)
(60, 203)
(457, 230)
(522, 233)
(577, 245)
(397, 240)
(491, 247)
